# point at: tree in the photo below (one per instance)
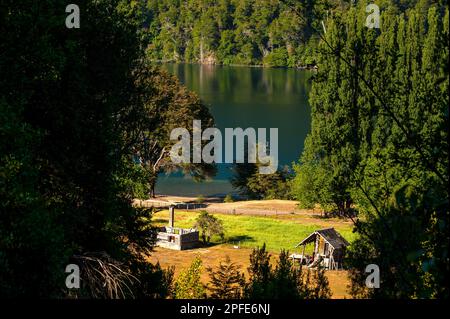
(66, 187)
(284, 283)
(260, 272)
(270, 186)
(313, 284)
(209, 226)
(227, 281)
(379, 143)
(188, 284)
(250, 183)
(165, 101)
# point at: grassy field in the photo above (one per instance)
(277, 232)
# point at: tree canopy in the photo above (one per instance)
(379, 143)
(76, 107)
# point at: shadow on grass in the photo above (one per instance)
(239, 239)
(233, 240)
(160, 221)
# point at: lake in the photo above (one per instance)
(245, 97)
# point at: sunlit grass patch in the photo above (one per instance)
(252, 231)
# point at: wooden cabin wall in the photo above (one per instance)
(321, 245)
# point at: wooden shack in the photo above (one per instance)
(329, 249)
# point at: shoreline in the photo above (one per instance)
(215, 204)
(311, 68)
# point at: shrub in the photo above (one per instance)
(228, 199)
(209, 226)
(188, 284)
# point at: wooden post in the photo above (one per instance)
(303, 254)
(330, 259)
(171, 216)
(316, 246)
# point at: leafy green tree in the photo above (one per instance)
(260, 272)
(65, 160)
(209, 226)
(270, 186)
(379, 143)
(250, 183)
(167, 105)
(188, 284)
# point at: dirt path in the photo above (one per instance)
(251, 207)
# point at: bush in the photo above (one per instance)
(209, 226)
(228, 199)
(188, 284)
(277, 58)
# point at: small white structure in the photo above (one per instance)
(176, 238)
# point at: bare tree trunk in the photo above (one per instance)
(152, 187)
(152, 190)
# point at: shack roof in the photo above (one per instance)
(330, 235)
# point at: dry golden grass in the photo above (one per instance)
(211, 257)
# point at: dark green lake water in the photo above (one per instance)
(245, 97)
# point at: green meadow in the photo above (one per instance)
(277, 232)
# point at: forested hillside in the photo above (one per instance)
(243, 32)
(246, 32)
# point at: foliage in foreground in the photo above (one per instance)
(284, 281)
(188, 284)
(72, 102)
(227, 281)
(265, 282)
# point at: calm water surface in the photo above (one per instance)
(245, 97)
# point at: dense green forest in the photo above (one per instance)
(272, 33)
(248, 32)
(378, 148)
